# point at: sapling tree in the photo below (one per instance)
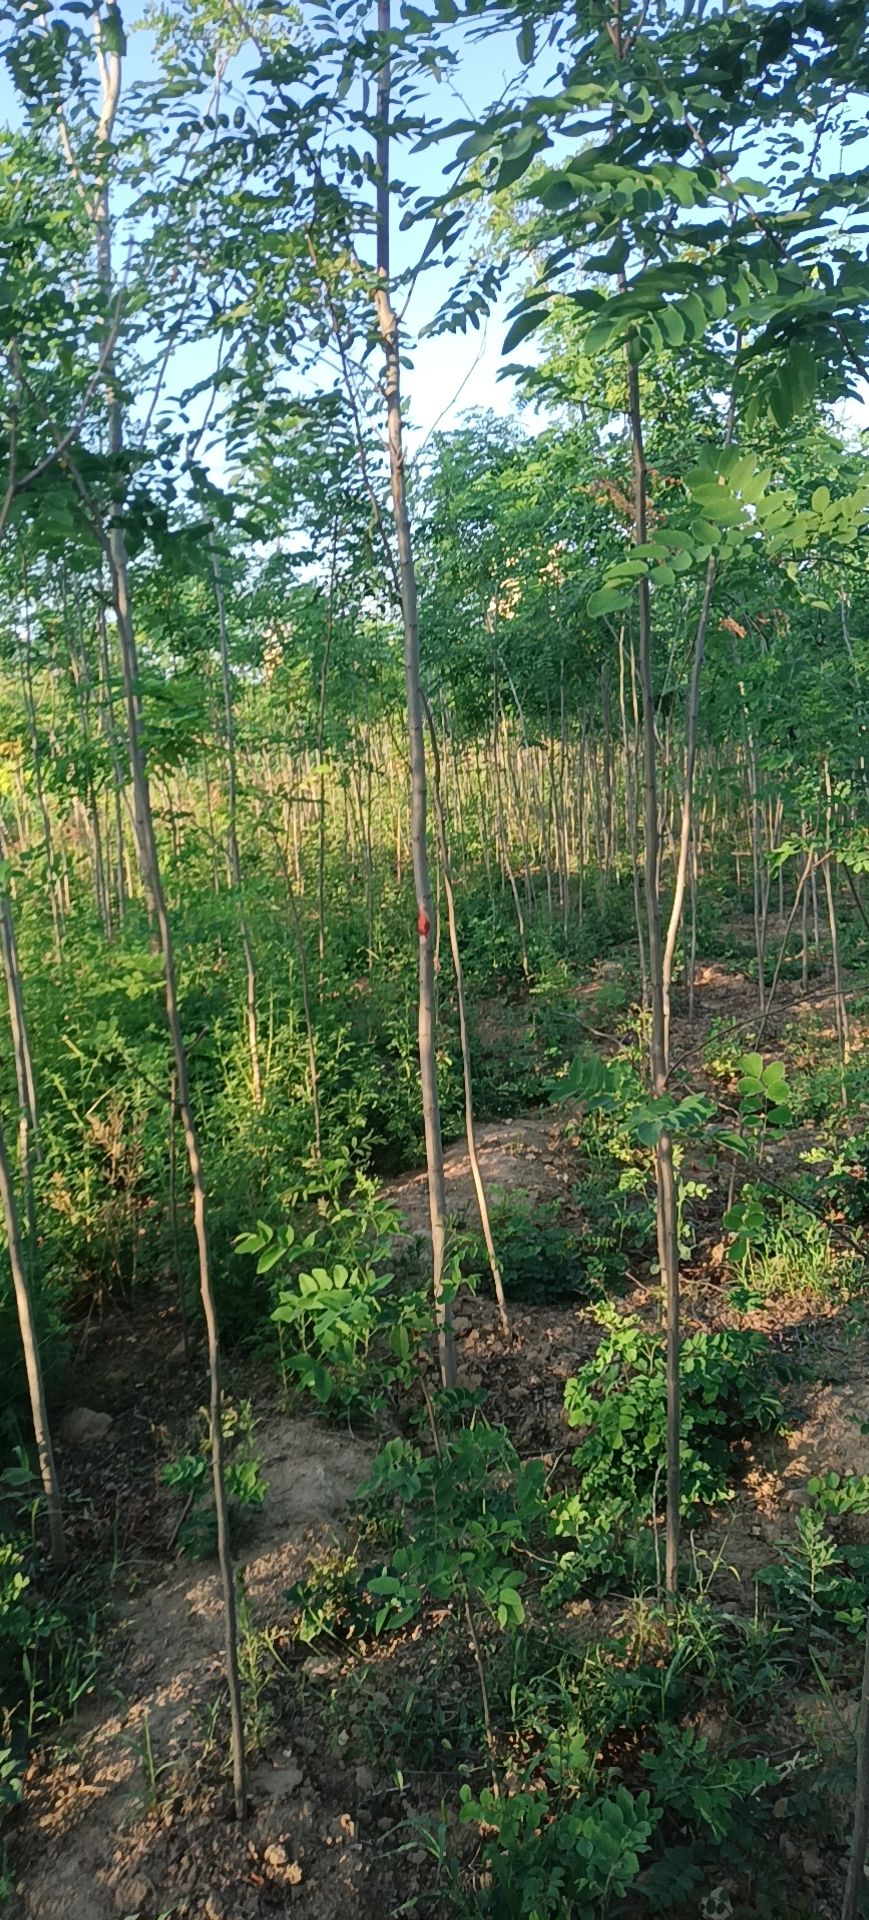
(90, 165)
(470, 1126)
(110, 58)
(32, 455)
(32, 1359)
(388, 323)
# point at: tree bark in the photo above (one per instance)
(855, 1886)
(692, 714)
(25, 1078)
(32, 1361)
(389, 334)
(668, 1239)
(470, 1128)
(232, 829)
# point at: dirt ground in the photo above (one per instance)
(528, 1157)
(97, 1838)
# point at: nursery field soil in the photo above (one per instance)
(95, 1840)
(527, 1157)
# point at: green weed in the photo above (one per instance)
(190, 1476)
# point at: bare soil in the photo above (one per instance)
(98, 1839)
(528, 1156)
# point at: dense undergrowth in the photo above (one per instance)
(593, 1748)
(108, 1224)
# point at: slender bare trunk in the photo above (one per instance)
(26, 673)
(855, 1886)
(109, 60)
(173, 1220)
(118, 781)
(631, 807)
(389, 334)
(232, 829)
(470, 1129)
(321, 730)
(800, 893)
(692, 714)
(32, 1361)
(692, 943)
(668, 1241)
(299, 934)
(25, 1077)
(501, 833)
(804, 926)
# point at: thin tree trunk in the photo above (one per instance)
(668, 1240)
(606, 749)
(109, 62)
(173, 1222)
(756, 862)
(81, 675)
(800, 893)
(321, 729)
(692, 944)
(25, 1077)
(855, 1886)
(232, 829)
(32, 1361)
(692, 713)
(25, 665)
(804, 963)
(470, 1129)
(298, 931)
(108, 723)
(564, 860)
(842, 1025)
(633, 836)
(389, 334)
(841, 1007)
(501, 831)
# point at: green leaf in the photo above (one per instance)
(312, 1374)
(248, 1243)
(385, 1583)
(518, 152)
(600, 334)
(638, 106)
(605, 600)
(510, 1606)
(732, 1142)
(270, 1258)
(522, 326)
(695, 315)
(672, 325)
